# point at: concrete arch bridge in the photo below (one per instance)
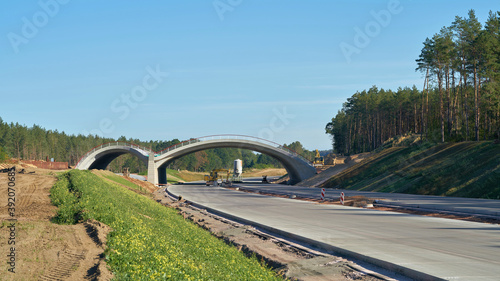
(99, 157)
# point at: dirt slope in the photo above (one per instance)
(44, 250)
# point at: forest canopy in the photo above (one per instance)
(36, 143)
(459, 100)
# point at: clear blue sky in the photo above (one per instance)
(273, 69)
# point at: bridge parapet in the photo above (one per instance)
(233, 137)
(99, 157)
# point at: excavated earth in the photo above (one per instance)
(45, 250)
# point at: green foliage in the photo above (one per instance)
(3, 155)
(298, 148)
(66, 198)
(460, 99)
(369, 118)
(36, 143)
(122, 181)
(149, 241)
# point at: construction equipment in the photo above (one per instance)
(318, 160)
(264, 179)
(126, 172)
(237, 171)
(215, 176)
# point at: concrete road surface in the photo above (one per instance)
(416, 246)
(486, 207)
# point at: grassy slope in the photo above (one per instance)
(466, 169)
(121, 180)
(186, 176)
(149, 241)
(174, 176)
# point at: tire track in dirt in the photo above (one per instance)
(69, 261)
(27, 196)
(50, 251)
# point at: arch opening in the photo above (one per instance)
(295, 169)
(162, 175)
(100, 158)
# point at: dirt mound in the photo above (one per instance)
(44, 250)
(144, 184)
(98, 232)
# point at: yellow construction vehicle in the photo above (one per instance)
(318, 160)
(215, 175)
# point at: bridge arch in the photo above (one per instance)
(100, 156)
(298, 167)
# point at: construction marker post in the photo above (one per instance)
(342, 198)
(322, 194)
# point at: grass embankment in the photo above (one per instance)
(250, 173)
(183, 175)
(149, 241)
(174, 176)
(466, 169)
(121, 180)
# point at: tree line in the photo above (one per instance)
(36, 143)
(459, 100)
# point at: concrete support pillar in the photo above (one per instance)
(152, 172)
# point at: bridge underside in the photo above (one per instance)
(102, 158)
(102, 162)
(297, 169)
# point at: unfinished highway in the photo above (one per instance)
(425, 248)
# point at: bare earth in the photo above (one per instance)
(45, 250)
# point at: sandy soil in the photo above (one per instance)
(44, 250)
(264, 172)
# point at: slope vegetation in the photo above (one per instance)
(149, 241)
(466, 169)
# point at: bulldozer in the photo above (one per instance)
(215, 175)
(318, 160)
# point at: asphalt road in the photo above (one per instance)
(443, 248)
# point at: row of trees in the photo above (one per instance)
(36, 143)
(460, 99)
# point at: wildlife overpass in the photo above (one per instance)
(99, 157)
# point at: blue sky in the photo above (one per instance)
(180, 69)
